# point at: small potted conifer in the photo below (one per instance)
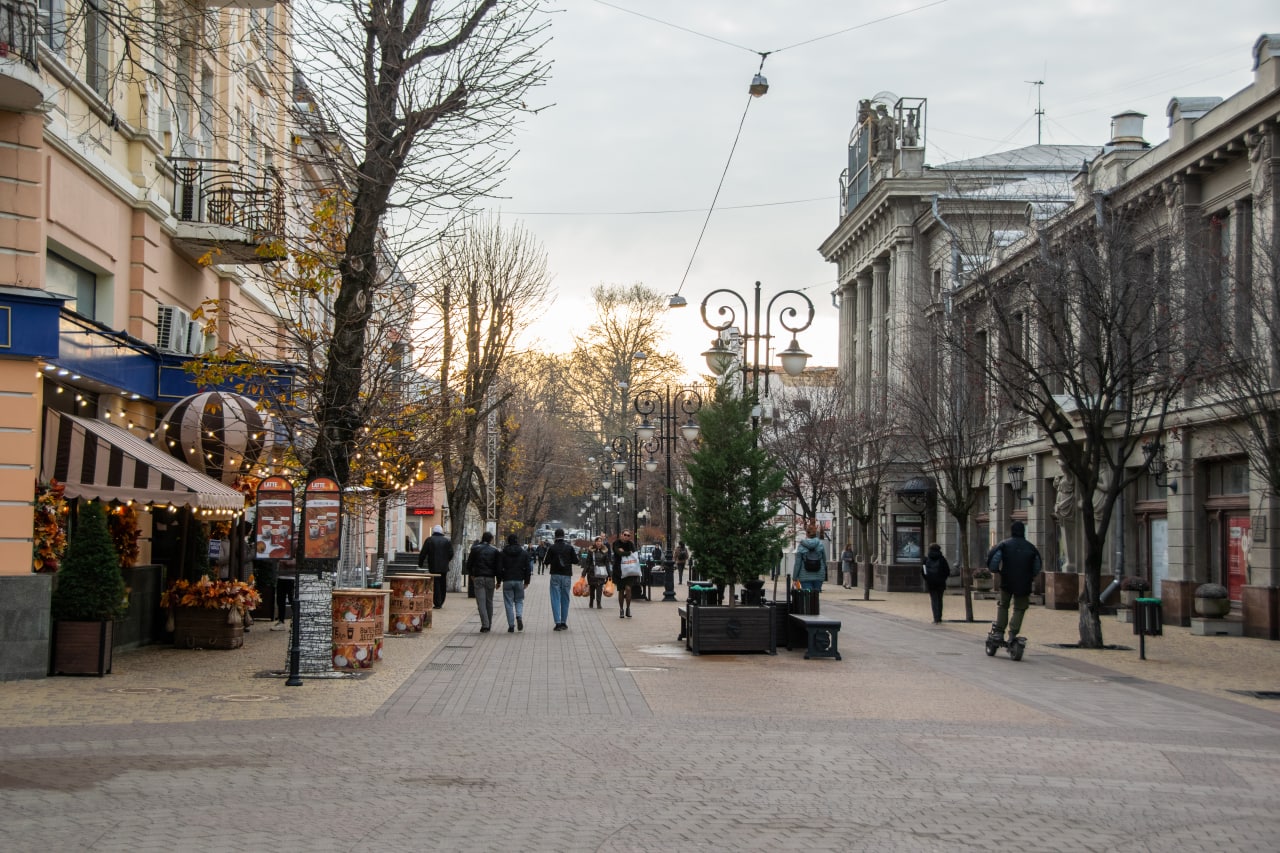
(88, 597)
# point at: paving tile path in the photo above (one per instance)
(608, 737)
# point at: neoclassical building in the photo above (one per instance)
(916, 245)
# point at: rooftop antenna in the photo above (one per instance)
(1039, 84)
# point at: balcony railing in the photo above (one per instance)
(218, 194)
(18, 31)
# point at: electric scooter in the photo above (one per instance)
(995, 642)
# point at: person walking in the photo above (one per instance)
(286, 580)
(1017, 562)
(435, 556)
(540, 556)
(595, 568)
(482, 565)
(516, 572)
(936, 572)
(682, 560)
(623, 546)
(811, 560)
(561, 560)
(848, 565)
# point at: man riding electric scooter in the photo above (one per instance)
(1017, 562)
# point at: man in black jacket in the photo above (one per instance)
(516, 571)
(435, 555)
(1017, 562)
(482, 565)
(561, 560)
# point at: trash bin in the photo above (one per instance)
(1148, 617)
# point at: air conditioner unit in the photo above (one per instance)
(173, 329)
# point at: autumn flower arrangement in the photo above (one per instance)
(211, 594)
(49, 537)
(122, 521)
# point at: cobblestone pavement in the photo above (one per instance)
(609, 737)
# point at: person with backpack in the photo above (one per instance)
(515, 570)
(936, 572)
(682, 559)
(811, 560)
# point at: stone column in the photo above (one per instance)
(879, 332)
(863, 357)
(848, 332)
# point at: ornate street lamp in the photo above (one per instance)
(659, 416)
(721, 357)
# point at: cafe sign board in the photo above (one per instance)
(274, 524)
(321, 519)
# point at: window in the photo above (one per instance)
(97, 44)
(52, 15)
(73, 281)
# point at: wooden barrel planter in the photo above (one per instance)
(357, 628)
(410, 603)
(207, 628)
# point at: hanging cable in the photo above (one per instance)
(720, 186)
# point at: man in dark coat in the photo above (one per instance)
(482, 565)
(1017, 562)
(936, 572)
(435, 555)
(561, 560)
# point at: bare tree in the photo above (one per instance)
(948, 413)
(605, 370)
(1246, 279)
(804, 435)
(426, 93)
(1093, 345)
(485, 287)
(869, 444)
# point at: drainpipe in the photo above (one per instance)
(955, 243)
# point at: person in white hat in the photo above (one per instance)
(435, 556)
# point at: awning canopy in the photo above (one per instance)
(100, 461)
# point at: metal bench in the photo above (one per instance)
(823, 635)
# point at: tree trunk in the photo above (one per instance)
(1090, 618)
(966, 581)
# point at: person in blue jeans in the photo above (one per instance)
(811, 560)
(516, 572)
(561, 560)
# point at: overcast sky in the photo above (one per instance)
(617, 175)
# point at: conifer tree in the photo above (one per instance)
(89, 587)
(732, 501)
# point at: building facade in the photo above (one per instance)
(919, 249)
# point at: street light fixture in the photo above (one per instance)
(666, 409)
(720, 357)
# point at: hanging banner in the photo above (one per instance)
(321, 506)
(274, 524)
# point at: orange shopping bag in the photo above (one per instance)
(608, 588)
(580, 587)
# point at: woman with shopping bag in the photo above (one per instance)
(595, 569)
(626, 571)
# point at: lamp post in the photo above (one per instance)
(720, 357)
(666, 409)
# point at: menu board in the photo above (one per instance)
(274, 526)
(321, 519)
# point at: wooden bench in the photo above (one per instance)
(823, 635)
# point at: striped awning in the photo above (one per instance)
(101, 461)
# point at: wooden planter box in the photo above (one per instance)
(82, 648)
(732, 629)
(203, 628)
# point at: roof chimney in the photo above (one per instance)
(1126, 131)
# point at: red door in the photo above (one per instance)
(1238, 542)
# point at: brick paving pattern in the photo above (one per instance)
(609, 737)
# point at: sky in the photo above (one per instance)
(647, 109)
